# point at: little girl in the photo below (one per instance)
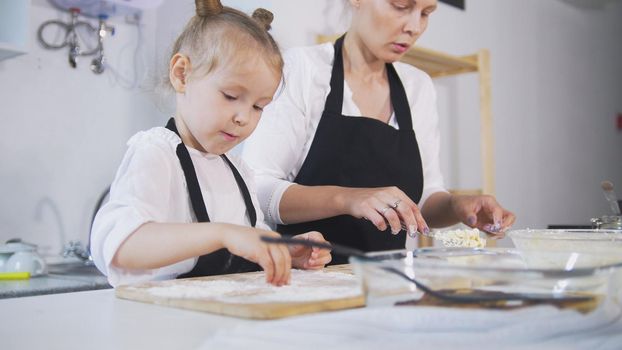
(225, 69)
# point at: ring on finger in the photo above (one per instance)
(397, 202)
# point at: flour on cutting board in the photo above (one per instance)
(304, 286)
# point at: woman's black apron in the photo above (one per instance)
(220, 261)
(360, 152)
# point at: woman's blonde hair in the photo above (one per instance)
(219, 34)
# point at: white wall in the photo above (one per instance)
(556, 90)
(64, 131)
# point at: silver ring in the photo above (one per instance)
(397, 202)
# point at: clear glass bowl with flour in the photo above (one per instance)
(574, 272)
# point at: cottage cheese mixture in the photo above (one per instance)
(467, 238)
(304, 286)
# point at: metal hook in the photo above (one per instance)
(97, 64)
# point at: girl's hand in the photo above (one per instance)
(309, 258)
(273, 258)
(384, 205)
(484, 213)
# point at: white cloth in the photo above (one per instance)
(542, 327)
(150, 187)
(281, 142)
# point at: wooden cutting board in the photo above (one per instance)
(256, 310)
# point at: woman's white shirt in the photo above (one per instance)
(150, 187)
(281, 142)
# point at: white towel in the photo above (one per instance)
(407, 327)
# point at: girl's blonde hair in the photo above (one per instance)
(218, 34)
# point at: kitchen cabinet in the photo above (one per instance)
(439, 64)
(14, 27)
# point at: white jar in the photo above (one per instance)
(21, 257)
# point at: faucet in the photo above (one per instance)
(75, 249)
(97, 64)
(71, 249)
(47, 202)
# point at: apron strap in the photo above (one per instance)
(399, 100)
(194, 189)
(334, 100)
(250, 208)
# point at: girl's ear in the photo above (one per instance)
(179, 69)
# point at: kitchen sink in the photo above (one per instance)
(74, 268)
(63, 276)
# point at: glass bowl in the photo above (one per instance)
(552, 249)
(485, 272)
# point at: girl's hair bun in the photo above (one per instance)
(207, 8)
(264, 17)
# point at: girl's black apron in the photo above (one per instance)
(360, 152)
(220, 261)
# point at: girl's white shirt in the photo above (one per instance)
(150, 187)
(281, 142)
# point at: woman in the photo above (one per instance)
(319, 168)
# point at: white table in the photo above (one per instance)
(98, 320)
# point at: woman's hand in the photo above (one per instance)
(309, 258)
(275, 259)
(484, 213)
(384, 205)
